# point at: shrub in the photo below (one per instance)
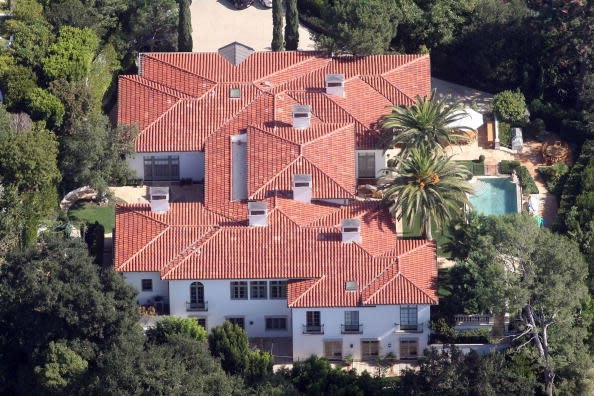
(554, 177)
(506, 166)
(505, 134)
(95, 239)
(171, 325)
(510, 106)
(481, 158)
(526, 181)
(45, 106)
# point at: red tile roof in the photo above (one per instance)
(181, 102)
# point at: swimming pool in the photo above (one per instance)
(494, 196)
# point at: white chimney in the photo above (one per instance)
(257, 214)
(302, 188)
(301, 116)
(335, 84)
(159, 197)
(351, 230)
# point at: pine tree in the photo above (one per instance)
(277, 25)
(292, 26)
(184, 28)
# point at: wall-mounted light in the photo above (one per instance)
(351, 345)
(389, 345)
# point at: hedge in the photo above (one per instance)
(526, 179)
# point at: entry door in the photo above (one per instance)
(333, 349)
(369, 349)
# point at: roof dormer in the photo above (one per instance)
(335, 85)
(302, 188)
(351, 230)
(301, 116)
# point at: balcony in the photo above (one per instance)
(409, 328)
(197, 306)
(351, 329)
(307, 329)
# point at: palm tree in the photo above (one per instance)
(428, 185)
(429, 123)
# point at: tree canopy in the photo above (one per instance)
(358, 27)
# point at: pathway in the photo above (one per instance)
(216, 23)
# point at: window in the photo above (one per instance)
(351, 322)
(366, 165)
(278, 289)
(238, 320)
(276, 323)
(147, 285)
(161, 168)
(333, 350)
(239, 290)
(369, 349)
(197, 302)
(409, 349)
(408, 318)
(313, 322)
(258, 290)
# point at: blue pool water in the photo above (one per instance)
(494, 196)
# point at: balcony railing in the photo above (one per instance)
(313, 329)
(473, 320)
(351, 328)
(197, 306)
(408, 328)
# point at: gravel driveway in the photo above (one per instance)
(216, 23)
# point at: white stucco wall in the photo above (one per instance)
(191, 164)
(380, 160)
(160, 287)
(378, 323)
(220, 305)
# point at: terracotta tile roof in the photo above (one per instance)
(183, 102)
(290, 246)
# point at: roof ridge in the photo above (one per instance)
(325, 174)
(417, 287)
(309, 288)
(149, 55)
(293, 66)
(142, 249)
(364, 77)
(377, 290)
(275, 176)
(158, 86)
(413, 250)
(249, 103)
(178, 102)
(183, 254)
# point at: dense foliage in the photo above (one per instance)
(184, 33)
(513, 265)
(510, 107)
(277, 25)
(291, 26)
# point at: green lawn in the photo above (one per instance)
(441, 236)
(91, 212)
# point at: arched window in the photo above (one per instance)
(197, 295)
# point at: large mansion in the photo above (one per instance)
(279, 243)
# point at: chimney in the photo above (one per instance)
(351, 230)
(257, 214)
(302, 188)
(159, 197)
(335, 84)
(301, 116)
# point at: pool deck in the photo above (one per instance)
(530, 157)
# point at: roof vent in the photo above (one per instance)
(257, 214)
(335, 84)
(351, 230)
(235, 93)
(301, 116)
(302, 188)
(159, 197)
(235, 53)
(350, 286)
